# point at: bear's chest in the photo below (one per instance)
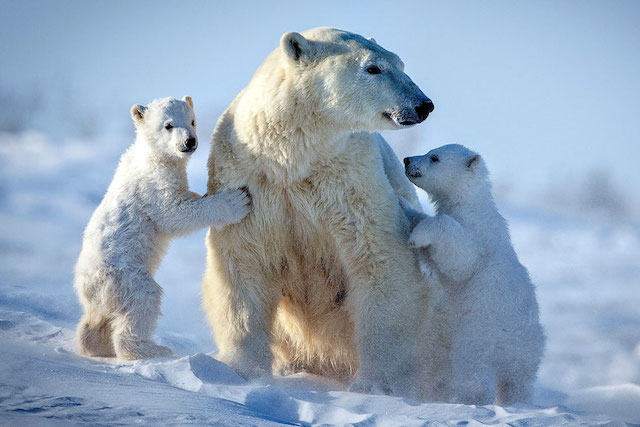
(294, 212)
(297, 231)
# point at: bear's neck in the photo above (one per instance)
(284, 134)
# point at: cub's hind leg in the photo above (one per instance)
(93, 336)
(134, 324)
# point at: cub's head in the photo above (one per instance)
(451, 172)
(168, 126)
(353, 80)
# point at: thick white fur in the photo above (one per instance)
(396, 176)
(147, 203)
(498, 340)
(318, 277)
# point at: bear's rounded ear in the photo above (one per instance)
(137, 113)
(188, 100)
(473, 161)
(371, 39)
(295, 46)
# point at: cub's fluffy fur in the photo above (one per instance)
(497, 340)
(147, 203)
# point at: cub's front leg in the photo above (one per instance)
(413, 215)
(424, 234)
(451, 246)
(188, 212)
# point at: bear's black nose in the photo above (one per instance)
(191, 143)
(423, 110)
(406, 161)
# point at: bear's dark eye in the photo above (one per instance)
(193, 122)
(372, 69)
(168, 126)
(434, 159)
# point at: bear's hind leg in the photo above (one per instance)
(93, 336)
(476, 385)
(133, 327)
(514, 390)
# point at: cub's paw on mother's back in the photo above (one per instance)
(232, 205)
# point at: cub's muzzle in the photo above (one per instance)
(411, 169)
(190, 145)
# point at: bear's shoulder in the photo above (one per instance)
(364, 146)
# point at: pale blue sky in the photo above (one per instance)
(544, 90)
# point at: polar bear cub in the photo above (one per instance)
(147, 203)
(497, 341)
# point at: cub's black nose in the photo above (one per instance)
(423, 110)
(406, 162)
(191, 143)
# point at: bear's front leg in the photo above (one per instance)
(451, 246)
(239, 307)
(189, 212)
(385, 295)
(387, 340)
(424, 234)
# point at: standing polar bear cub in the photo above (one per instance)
(498, 341)
(318, 277)
(147, 203)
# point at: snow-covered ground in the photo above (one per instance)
(587, 272)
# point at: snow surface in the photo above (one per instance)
(586, 272)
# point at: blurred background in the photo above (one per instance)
(546, 91)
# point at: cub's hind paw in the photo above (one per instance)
(136, 350)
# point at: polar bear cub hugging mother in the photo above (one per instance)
(147, 203)
(319, 277)
(497, 338)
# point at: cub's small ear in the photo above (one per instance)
(371, 39)
(137, 113)
(188, 100)
(295, 46)
(473, 160)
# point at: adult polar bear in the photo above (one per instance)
(318, 277)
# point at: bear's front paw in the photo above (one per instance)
(131, 349)
(365, 386)
(248, 369)
(234, 205)
(421, 236)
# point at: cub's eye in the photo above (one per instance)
(434, 159)
(168, 126)
(193, 122)
(372, 69)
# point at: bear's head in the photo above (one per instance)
(168, 126)
(352, 80)
(450, 173)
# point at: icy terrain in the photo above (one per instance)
(587, 272)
